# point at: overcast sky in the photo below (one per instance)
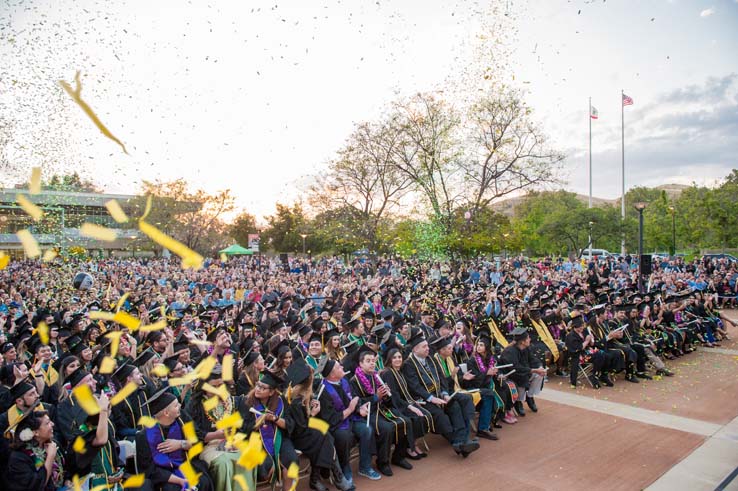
(257, 96)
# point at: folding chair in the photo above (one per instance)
(587, 370)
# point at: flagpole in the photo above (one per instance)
(622, 190)
(590, 173)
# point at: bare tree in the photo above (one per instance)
(506, 152)
(429, 151)
(364, 178)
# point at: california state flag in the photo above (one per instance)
(593, 113)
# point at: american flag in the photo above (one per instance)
(627, 101)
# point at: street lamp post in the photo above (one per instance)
(590, 239)
(303, 243)
(673, 231)
(504, 246)
(640, 206)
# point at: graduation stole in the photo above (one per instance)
(338, 403)
(312, 362)
(497, 333)
(448, 366)
(359, 339)
(171, 461)
(14, 414)
(435, 387)
(51, 376)
(546, 337)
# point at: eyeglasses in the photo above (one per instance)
(262, 386)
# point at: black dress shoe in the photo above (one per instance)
(644, 376)
(531, 404)
(469, 447)
(632, 379)
(605, 379)
(402, 463)
(414, 457)
(519, 409)
(487, 435)
(385, 469)
(497, 425)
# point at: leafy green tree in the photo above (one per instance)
(243, 225)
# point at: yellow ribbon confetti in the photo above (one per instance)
(135, 481)
(4, 260)
(79, 445)
(188, 429)
(195, 451)
(86, 400)
(160, 371)
(146, 421)
(116, 211)
(123, 393)
(147, 209)
(192, 477)
(206, 366)
(101, 315)
(221, 391)
(156, 326)
(210, 404)
(114, 340)
(34, 211)
(234, 420)
(121, 301)
(76, 96)
(228, 367)
(34, 186)
(49, 255)
(107, 366)
(190, 259)
(98, 232)
(318, 424)
(30, 246)
(127, 320)
(293, 473)
(253, 453)
(43, 332)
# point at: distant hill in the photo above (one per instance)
(507, 206)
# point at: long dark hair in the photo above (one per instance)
(32, 422)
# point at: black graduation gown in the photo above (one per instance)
(159, 476)
(25, 477)
(402, 399)
(523, 362)
(125, 415)
(243, 385)
(317, 447)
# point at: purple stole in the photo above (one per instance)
(270, 437)
(170, 461)
(337, 401)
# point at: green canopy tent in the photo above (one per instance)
(236, 250)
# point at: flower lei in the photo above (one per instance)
(481, 364)
(365, 381)
(223, 409)
(38, 454)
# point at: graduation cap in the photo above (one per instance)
(155, 336)
(416, 337)
(304, 330)
(250, 358)
(34, 343)
(577, 321)
(598, 309)
(124, 371)
(316, 336)
(441, 322)
(298, 372)
(77, 376)
(144, 357)
(441, 342)
(6, 347)
(160, 401)
(352, 324)
(520, 333)
(19, 389)
(271, 379)
(325, 367)
(171, 363)
(281, 347)
(387, 314)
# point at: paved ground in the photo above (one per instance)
(675, 433)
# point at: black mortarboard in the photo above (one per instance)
(76, 345)
(440, 323)
(416, 337)
(19, 389)
(520, 333)
(250, 358)
(298, 372)
(123, 371)
(387, 314)
(144, 357)
(160, 401)
(77, 376)
(577, 321)
(352, 324)
(440, 342)
(304, 330)
(171, 362)
(327, 367)
(316, 337)
(271, 379)
(280, 348)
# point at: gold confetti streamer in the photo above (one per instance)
(116, 211)
(127, 320)
(253, 453)
(98, 232)
(228, 367)
(188, 429)
(49, 255)
(34, 211)
(34, 186)
(241, 482)
(43, 332)
(146, 421)
(195, 451)
(123, 393)
(192, 477)
(135, 481)
(101, 315)
(210, 404)
(83, 395)
(115, 340)
(206, 366)
(30, 246)
(4, 260)
(156, 326)
(107, 366)
(79, 445)
(318, 424)
(160, 371)
(76, 96)
(121, 301)
(190, 259)
(293, 473)
(233, 421)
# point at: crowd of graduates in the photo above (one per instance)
(140, 373)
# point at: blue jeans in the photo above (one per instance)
(364, 435)
(485, 412)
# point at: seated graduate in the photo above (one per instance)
(253, 365)
(582, 349)
(340, 409)
(316, 446)
(127, 413)
(481, 372)
(161, 449)
(420, 419)
(529, 373)
(271, 422)
(387, 421)
(35, 462)
(222, 459)
(425, 383)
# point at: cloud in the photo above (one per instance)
(707, 12)
(683, 136)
